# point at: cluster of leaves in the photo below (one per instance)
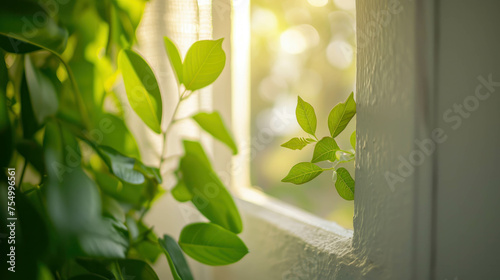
(325, 149)
(83, 219)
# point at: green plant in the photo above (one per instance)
(325, 149)
(83, 218)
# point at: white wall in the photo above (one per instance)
(467, 234)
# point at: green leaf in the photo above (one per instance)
(133, 269)
(29, 122)
(73, 200)
(302, 172)
(181, 192)
(306, 116)
(145, 242)
(44, 273)
(194, 148)
(33, 153)
(121, 191)
(104, 239)
(71, 196)
(88, 277)
(43, 95)
(353, 140)
(127, 17)
(209, 194)
(203, 64)
(20, 21)
(16, 46)
(175, 58)
(117, 135)
(150, 172)
(325, 149)
(94, 266)
(121, 166)
(6, 132)
(112, 209)
(297, 143)
(34, 232)
(345, 184)
(142, 88)
(341, 115)
(213, 124)
(178, 265)
(211, 244)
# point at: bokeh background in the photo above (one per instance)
(306, 48)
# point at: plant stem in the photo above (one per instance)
(148, 206)
(347, 152)
(76, 91)
(24, 170)
(170, 125)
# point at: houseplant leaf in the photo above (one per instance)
(302, 172)
(43, 95)
(325, 150)
(73, 201)
(178, 264)
(213, 124)
(117, 135)
(345, 184)
(297, 143)
(121, 166)
(19, 22)
(175, 59)
(133, 269)
(6, 135)
(142, 88)
(194, 148)
(121, 191)
(29, 121)
(204, 62)
(181, 192)
(209, 194)
(211, 244)
(353, 140)
(88, 277)
(306, 116)
(341, 115)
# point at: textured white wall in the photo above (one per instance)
(468, 184)
(386, 120)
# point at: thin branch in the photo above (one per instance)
(24, 171)
(170, 125)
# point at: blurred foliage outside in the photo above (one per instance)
(306, 48)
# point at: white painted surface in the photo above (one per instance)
(468, 184)
(386, 120)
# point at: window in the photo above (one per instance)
(399, 89)
(301, 48)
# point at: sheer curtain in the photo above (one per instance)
(183, 21)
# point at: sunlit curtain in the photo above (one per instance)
(184, 21)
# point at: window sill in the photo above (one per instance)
(288, 243)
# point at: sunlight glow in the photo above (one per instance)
(340, 54)
(318, 3)
(293, 41)
(297, 39)
(263, 21)
(345, 4)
